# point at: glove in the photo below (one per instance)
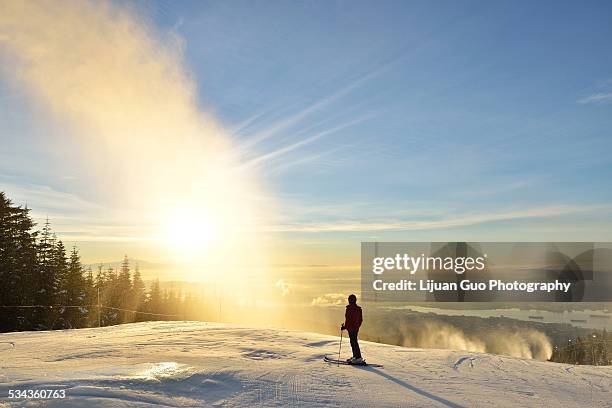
(342, 327)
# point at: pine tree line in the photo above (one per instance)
(595, 349)
(43, 287)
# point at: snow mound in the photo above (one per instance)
(175, 364)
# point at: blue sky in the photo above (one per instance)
(448, 106)
(388, 120)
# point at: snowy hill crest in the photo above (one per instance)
(204, 364)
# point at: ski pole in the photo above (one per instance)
(340, 348)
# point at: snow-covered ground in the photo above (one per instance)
(210, 364)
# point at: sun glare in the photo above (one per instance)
(190, 233)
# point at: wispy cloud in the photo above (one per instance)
(498, 188)
(442, 223)
(75, 218)
(289, 121)
(303, 142)
(46, 198)
(308, 158)
(285, 129)
(598, 98)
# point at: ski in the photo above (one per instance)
(336, 361)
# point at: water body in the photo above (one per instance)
(587, 319)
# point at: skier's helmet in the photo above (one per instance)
(352, 299)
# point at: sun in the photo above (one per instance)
(190, 233)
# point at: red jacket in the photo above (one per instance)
(353, 317)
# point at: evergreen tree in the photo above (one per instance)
(169, 303)
(75, 292)
(60, 263)
(44, 282)
(110, 298)
(606, 343)
(100, 277)
(154, 302)
(138, 292)
(124, 288)
(18, 260)
(99, 286)
(90, 298)
(54, 292)
(60, 297)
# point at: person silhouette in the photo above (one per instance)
(352, 322)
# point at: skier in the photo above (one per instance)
(352, 322)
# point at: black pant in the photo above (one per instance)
(354, 343)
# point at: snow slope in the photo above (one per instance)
(205, 364)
